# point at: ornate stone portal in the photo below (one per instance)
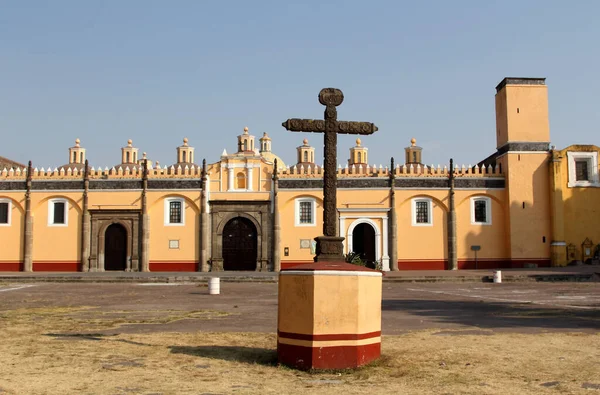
(258, 214)
(330, 247)
(100, 221)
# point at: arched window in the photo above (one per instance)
(127, 157)
(240, 180)
(245, 145)
(359, 157)
(81, 157)
(74, 157)
(305, 156)
(183, 157)
(414, 157)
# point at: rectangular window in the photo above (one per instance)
(581, 170)
(4, 213)
(175, 212)
(480, 211)
(306, 212)
(59, 213)
(422, 211)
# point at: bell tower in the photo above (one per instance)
(77, 153)
(185, 153)
(306, 153)
(129, 154)
(358, 154)
(413, 153)
(523, 139)
(245, 142)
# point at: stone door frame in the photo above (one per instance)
(100, 221)
(259, 213)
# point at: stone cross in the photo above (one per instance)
(329, 246)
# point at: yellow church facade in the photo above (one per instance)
(525, 205)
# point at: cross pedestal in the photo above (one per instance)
(329, 314)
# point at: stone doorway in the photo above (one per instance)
(115, 248)
(363, 243)
(239, 245)
(101, 221)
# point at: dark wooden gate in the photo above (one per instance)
(363, 242)
(239, 245)
(115, 248)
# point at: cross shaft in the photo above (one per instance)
(329, 246)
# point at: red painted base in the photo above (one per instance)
(470, 264)
(173, 266)
(56, 266)
(321, 358)
(10, 266)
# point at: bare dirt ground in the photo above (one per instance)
(177, 339)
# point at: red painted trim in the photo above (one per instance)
(468, 264)
(10, 266)
(288, 264)
(56, 266)
(174, 266)
(338, 357)
(342, 336)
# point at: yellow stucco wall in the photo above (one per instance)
(161, 233)
(56, 243)
(11, 245)
(581, 204)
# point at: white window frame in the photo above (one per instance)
(167, 216)
(51, 203)
(488, 210)
(592, 158)
(4, 200)
(313, 211)
(429, 211)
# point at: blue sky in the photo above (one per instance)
(158, 71)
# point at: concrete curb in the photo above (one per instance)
(273, 278)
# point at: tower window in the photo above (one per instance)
(127, 157)
(245, 145)
(4, 213)
(581, 170)
(74, 157)
(305, 156)
(359, 158)
(414, 157)
(81, 157)
(241, 180)
(183, 157)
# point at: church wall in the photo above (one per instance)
(56, 247)
(421, 247)
(581, 206)
(174, 247)
(292, 235)
(528, 205)
(114, 199)
(490, 237)
(11, 236)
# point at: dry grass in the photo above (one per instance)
(57, 351)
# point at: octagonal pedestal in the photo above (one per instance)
(329, 316)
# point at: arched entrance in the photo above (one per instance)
(115, 248)
(239, 245)
(363, 243)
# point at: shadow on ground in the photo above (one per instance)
(498, 315)
(251, 355)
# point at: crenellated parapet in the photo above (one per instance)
(349, 171)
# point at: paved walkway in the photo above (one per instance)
(585, 273)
